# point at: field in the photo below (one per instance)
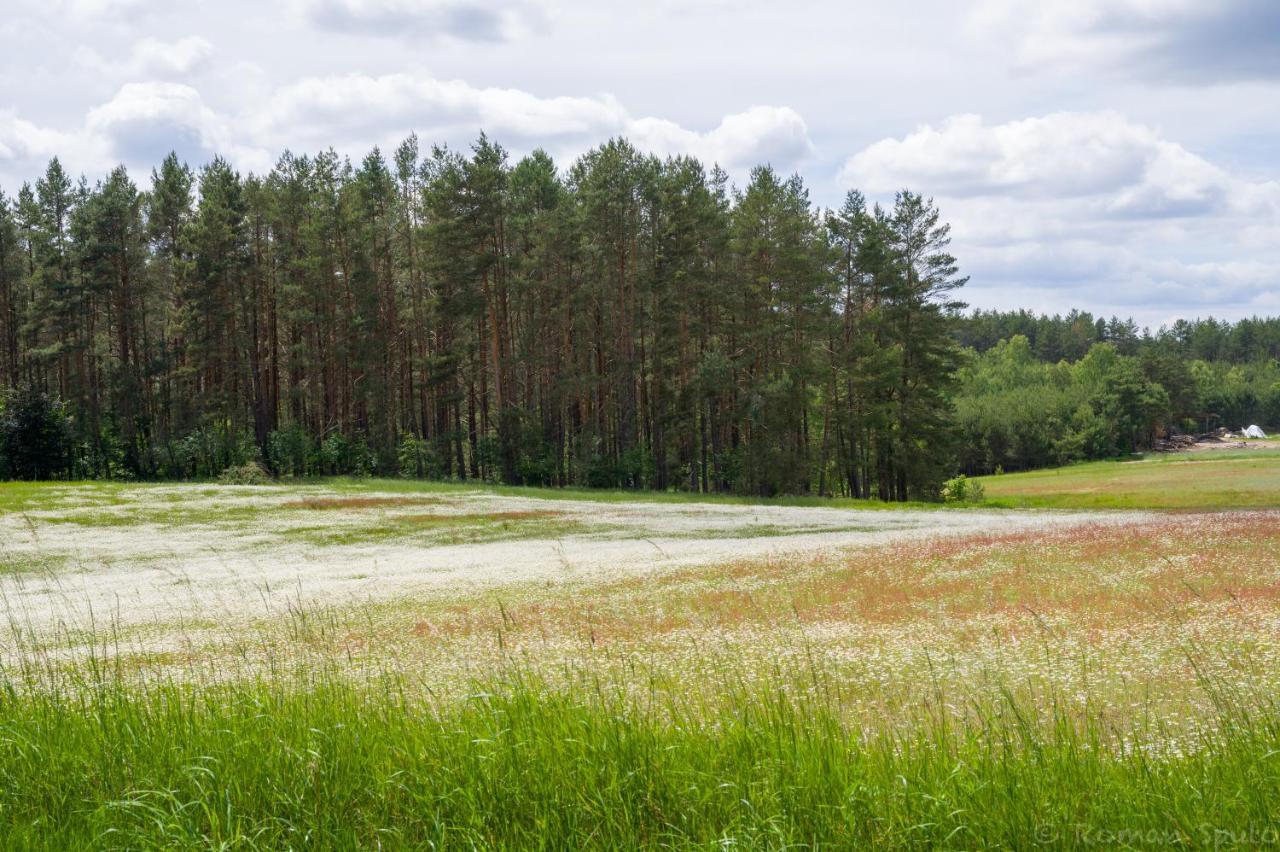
(400, 665)
(1215, 479)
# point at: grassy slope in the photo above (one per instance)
(1247, 479)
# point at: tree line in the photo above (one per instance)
(628, 321)
(1035, 390)
(1058, 337)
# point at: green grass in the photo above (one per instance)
(1216, 480)
(1245, 479)
(42, 563)
(313, 760)
(441, 530)
(600, 495)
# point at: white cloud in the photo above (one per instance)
(23, 141)
(26, 148)
(97, 8)
(1087, 209)
(153, 57)
(761, 134)
(143, 122)
(1128, 167)
(98, 12)
(357, 103)
(465, 20)
(327, 110)
(1191, 41)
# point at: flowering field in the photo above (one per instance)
(485, 670)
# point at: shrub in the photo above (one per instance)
(35, 436)
(963, 490)
(417, 459)
(343, 456)
(288, 449)
(211, 449)
(245, 474)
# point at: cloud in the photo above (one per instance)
(22, 141)
(465, 20)
(1087, 209)
(1127, 167)
(356, 103)
(144, 121)
(322, 110)
(26, 148)
(761, 134)
(1184, 41)
(155, 58)
(152, 59)
(98, 8)
(100, 12)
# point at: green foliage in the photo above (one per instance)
(1016, 412)
(1058, 338)
(339, 455)
(209, 450)
(35, 436)
(289, 451)
(417, 459)
(961, 489)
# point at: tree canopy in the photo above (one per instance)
(626, 321)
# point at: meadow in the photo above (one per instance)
(1209, 480)
(375, 664)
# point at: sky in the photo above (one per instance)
(1118, 156)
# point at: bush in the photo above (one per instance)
(245, 474)
(339, 455)
(417, 459)
(209, 450)
(963, 490)
(288, 450)
(35, 436)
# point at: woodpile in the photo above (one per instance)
(1179, 443)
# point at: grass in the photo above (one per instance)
(603, 495)
(445, 529)
(1107, 685)
(315, 760)
(1209, 480)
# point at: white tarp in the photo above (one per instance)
(1254, 432)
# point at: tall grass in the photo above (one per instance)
(314, 758)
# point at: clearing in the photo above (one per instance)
(126, 554)
(318, 664)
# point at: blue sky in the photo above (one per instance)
(1116, 155)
